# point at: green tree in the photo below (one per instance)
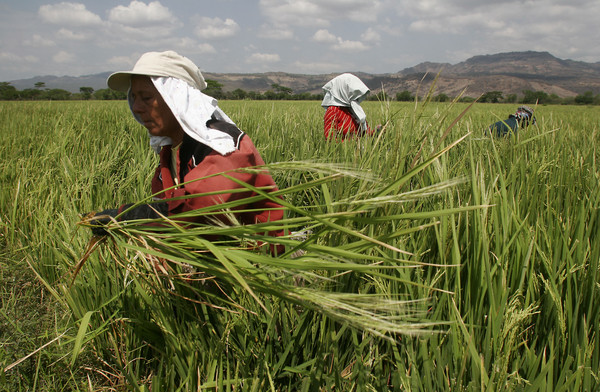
(238, 93)
(57, 94)
(214, 89)
(254, 95)
(404, 96)
(270, 95)
(86, 92)
(109, 94)
(554, 99)
(511, 98)
(39, 85)
(491, 97)
(8, 92)
(533, 97)
(586, 98)
(31, 94)
(306, 96)
(281, 89)
(441, 98)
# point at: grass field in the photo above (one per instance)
(439, 259)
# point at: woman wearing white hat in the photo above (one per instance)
(195, 140)
(344, 117)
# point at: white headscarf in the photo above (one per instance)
(349, 91)
(192, 109)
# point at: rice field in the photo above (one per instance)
(435, 258)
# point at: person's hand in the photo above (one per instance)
(144, 211)
(101, 219)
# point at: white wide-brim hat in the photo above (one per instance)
(166, 64)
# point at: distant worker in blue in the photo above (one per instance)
(521, 119)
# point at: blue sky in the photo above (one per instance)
(45, 37)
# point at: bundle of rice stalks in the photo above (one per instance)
(216, 263)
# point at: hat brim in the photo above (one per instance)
(120, 81)
(526, 109)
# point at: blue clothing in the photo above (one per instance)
(504, 128)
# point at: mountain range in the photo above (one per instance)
(510, 73)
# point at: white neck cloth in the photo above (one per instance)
(192, 109)
(349, 91)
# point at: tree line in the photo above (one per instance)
(528, 97)
(278, 92)
(41, 93)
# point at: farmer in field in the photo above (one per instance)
(195, 141)
(521, 119)
(344, 117)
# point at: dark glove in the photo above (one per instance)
(144, 211)
(103, 218)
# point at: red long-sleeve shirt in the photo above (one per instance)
(212, 163)
(339, 123)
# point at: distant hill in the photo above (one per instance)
(510, 73)
(69, 83)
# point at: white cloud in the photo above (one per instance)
(370, 35)
(462, 23)
(325, 37)
(68, 14)
(13, 63)
(315, 67)
(190, 46)
(37, 41)
(275, 32)
(63, 57)
(215, 28)
(364, 11)
(142, 36)
(15, 58)
(320, 13)
(205, 48)
(261, 58)
(142, 24)
(337, 43)
(71, 35)
(562, 28)
(505, 18)
(139, 14)
(350, 46)
(298, 12)
(125, 62)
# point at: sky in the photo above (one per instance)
(74, 38)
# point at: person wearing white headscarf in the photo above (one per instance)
(196, 142)
(344, 117)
